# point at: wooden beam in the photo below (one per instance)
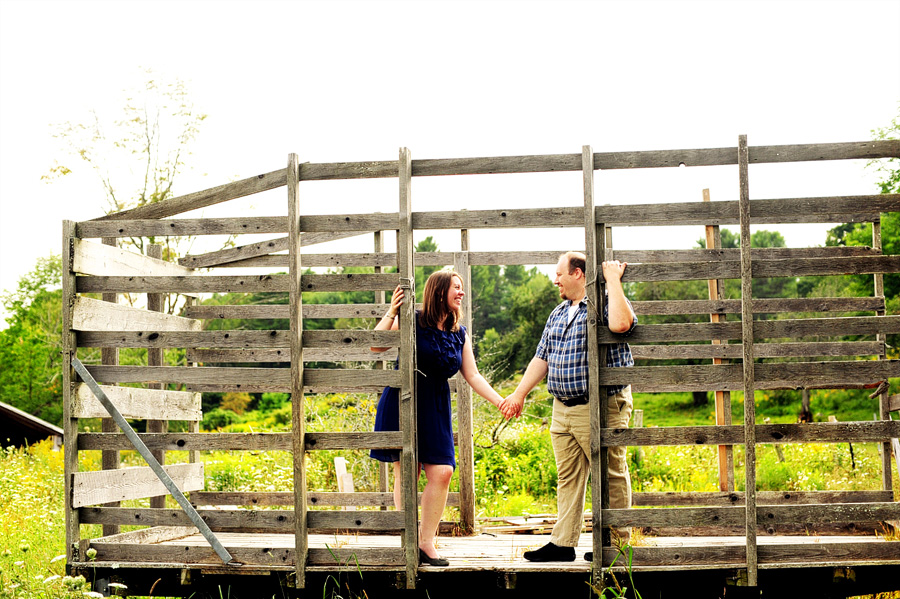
(408, 460)
(764, 498)
(132, 402)
(103, 260)
(96, 315)
(603, 160)
(70, 421)
(90, 488)
(773, 305)
(298, 374)
(201, 199)
(232, 284)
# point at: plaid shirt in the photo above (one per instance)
(563, 347)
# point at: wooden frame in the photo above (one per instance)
(767, 349)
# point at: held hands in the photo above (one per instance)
(511, 407)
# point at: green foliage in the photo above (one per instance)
(30, 363)
(518, 313)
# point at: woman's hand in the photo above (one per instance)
(396, 302)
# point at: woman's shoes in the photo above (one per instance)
(432, 561)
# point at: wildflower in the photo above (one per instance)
(91, 554)
(24, 547)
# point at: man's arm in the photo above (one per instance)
(620, 315)
(534, 374)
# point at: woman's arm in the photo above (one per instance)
(389, 321)
(469, 370)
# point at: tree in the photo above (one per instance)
(139, 155)
(30, 358)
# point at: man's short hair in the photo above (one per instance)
(576, 260)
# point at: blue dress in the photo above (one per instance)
(439, 357)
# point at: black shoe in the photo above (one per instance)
(432, 561)
(551, 553)
(589, 556)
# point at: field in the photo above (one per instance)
(514, 471)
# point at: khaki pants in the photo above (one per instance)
(570, 433)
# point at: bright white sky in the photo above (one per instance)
(345, 81)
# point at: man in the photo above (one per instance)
(561, 356)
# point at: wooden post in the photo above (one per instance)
(70, 423)
(722, 398)
(193, 425)
(747, 342)
(887, 482)
(298, 416)
(156, 357)
(595, 248)
(408, 460)
(638, 423)
(464, 402)
(384, 484)
(110, 457)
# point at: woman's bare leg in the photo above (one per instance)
(434, 499)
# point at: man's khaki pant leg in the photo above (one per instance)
(570, 433)
(619, 407)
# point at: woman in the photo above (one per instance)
(442, 349)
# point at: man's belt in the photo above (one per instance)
(573, 401)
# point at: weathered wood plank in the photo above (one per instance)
(763, 329)
(766, 517)
(249, 376)
(369, 440)
(174, 553)
(716, 254)
(263, 248)
(386, 259)
(235, 284)
(788, 375)
(261, 520)
(762, 350)
(70, 422)
(191, 441)
(315, 498)
(602, 160)
(256, 225)
(91, 488)
(813, 432)
(760, 306)
(152, 404)
(850, 552)
(894, 403)
(240, 356)
(201, 199)
(730, 269)
(98, 259)
(271, 339)
(775, 211)
(96, 315)
(499, 219)
(763, 498)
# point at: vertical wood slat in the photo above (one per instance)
(747, 341)
(594, 249)
(155, 357)
(464, 402)
(383, 467)
(70, 424)
(722, 398)
(109, 356)
(193, 425)
(298, 416)
(887, 482)
(408, 458)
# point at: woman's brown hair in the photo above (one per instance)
(434, 302)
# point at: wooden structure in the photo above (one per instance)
(759, 354)
(18, 428)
